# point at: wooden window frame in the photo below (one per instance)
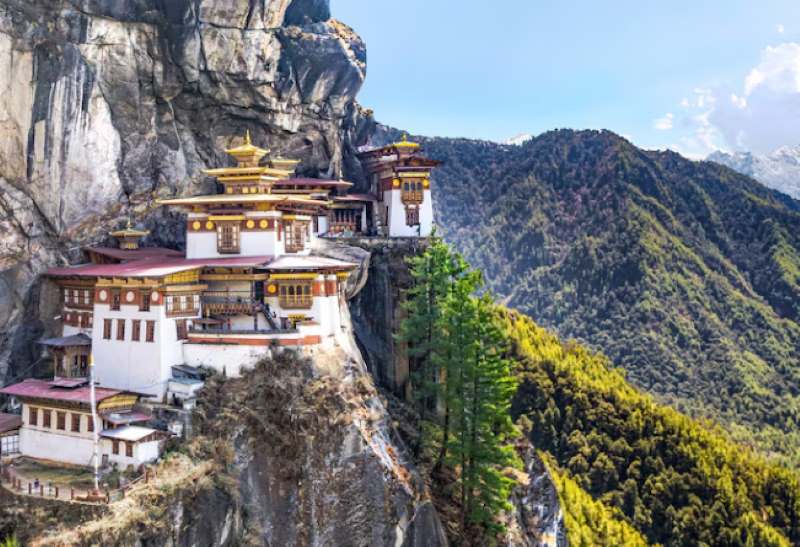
(295, 295)
(61, 420)
(47, 418)
(136, 330)
(33, 416)
(295, 240)
(121, 330)
(116, 299)
(128, 449)
(76, 423)
(229, 235)
(412, 216)
(106, 329)
(181, 329)
(115, 447)
(150, 331)
(89, 424)
(412, 191)
(144, 300)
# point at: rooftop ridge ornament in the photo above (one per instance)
(405, 143)
(128, 237)
(247, 154)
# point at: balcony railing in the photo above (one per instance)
(295, 302)
(229, 305)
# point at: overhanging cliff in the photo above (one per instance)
(108, 105)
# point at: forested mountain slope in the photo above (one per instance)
(674, 480)
(685, 273)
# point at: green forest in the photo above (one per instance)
(675, 480)
(628, 470)
(685, 274)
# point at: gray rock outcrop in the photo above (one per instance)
(108, 105)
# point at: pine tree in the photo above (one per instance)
(421, 329)
(486, 429)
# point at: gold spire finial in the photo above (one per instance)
(129, 223)
(405, 136)
(247, 137)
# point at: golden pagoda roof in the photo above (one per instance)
(247, 171)
(247, 152)
(242, 198)
(405, 143)
(129, 231)
(284, 161)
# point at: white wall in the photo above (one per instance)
(230, 359)
(142, 453)
(397, 216)
(50, 444)
(139, 366)
(257, 243)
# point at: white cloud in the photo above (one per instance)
(664, 123)
(781, 29)
(760, 114)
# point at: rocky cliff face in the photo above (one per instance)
(107, 105)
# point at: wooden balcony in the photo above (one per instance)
(295, 302)
(229, 305)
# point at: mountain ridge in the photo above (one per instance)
(687, 274)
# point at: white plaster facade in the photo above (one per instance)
(50, 443)
(140, 366)
(397, 215)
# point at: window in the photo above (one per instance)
(129, 449)
(412, 216)
(46, 414)
(106, 329)
(61, 421)
(86, 297)
(89, 423)
(83, 366)
(144, 303)
(136, 328)
(295, 236)
(33, 417)
(295, 295)
(9, 445)
(120, 329)
(150, 332)
(228, 238)
(114, 446)
(76, 423)
(411, 191)
(181, 329)
(115, 299)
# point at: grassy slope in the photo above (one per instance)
(686, 274)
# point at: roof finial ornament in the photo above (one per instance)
(247, 137)
(405, 136)
(129, 223)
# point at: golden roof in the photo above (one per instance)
(405, 143)
(129, 231)
(247, 153)
(242, 198)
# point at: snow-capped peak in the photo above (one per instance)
(517, 140)
(779, 170)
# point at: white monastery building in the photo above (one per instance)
(248, 282)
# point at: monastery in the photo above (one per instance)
(248, 283)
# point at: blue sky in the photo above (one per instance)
(693, 76)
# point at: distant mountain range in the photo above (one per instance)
(779, 170)
(687, 274)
